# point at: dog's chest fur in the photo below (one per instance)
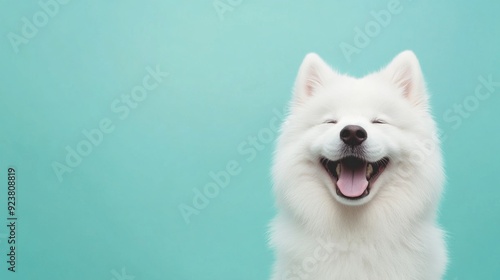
(369, 254)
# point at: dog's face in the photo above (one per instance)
(355, 135)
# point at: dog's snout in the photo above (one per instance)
(353, 135)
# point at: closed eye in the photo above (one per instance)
(379, 121)
(330, 121)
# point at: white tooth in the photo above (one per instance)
(369, 170)
(338, 169)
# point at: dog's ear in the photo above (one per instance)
(313, 74)
(404, 71)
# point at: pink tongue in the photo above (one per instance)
(352, 181)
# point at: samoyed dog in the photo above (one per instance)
(358, 177)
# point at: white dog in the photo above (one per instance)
(358, 177)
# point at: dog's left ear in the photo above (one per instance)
(404, 71)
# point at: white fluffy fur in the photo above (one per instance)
(391, 234)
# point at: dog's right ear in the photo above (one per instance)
(312, 76)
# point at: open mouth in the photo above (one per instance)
(354, 176)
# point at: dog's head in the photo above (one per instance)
(357, 138)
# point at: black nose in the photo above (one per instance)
(353, 135)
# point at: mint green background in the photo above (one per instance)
(119, 207)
